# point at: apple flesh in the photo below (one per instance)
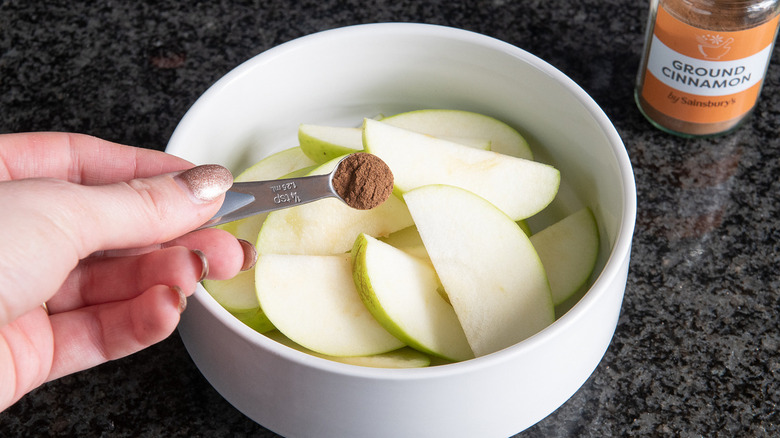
(276, 165)
(323, 143)
(568, 250)
(400, 290)
(487, 265)
(519, 187)
(445, 123)
(408, 240)
(404, 357)
(328, 226)
(313, 301)
(238, 296)
(444, 267)
(288, 163)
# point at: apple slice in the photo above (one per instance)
(285, 164)
(404, 357)
(568, 250)
(238, 296)
(519, 187)
(524, 226)
(328, 226)
(276, 165)
(313, 301)
(400, 290)
(487, 265)
(408, 240)
(324, 143)
(455, 123)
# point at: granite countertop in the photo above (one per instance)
(697, 346)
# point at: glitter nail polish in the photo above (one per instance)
(206, 182)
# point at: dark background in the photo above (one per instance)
(696, 348)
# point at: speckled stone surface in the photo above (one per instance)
(696, 348)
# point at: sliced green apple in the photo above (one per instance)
(404, 357)
(519, 187)
(248, 228)
(288, 163)
(238, 296)
(491, 272)
(407, 240)
(313, 301)
(524, 226)
(324, 143)
(455, 123)
(568, 250)
(276, 165)
(328, 226)
(400, 290)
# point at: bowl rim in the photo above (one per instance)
(619, 253)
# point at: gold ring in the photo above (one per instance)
(204, 263)
(45, 308)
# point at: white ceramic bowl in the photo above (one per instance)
(339, 77)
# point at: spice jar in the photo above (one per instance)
(704, 63)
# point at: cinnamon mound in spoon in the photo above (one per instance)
(363, 181)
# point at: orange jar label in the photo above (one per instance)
(705, 76)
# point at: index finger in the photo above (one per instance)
(79, 158)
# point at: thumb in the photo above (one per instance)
(143, 211)
(52, 224)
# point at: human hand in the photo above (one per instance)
(99, 232)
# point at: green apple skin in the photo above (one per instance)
(456, 123)
(400, 290)
(568, 250)
(408, 240)
(255, 319)
(404, 357)
(487, 265)
(524, 226)
(238, 296)
(403, 238)
(519, 187)
(313, 301)
(328, 226)
(323, 143)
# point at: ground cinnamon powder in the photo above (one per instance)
(363, 181)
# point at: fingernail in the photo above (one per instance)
(206, 182)
(250, 255)
(204, 263)
(182, 298)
